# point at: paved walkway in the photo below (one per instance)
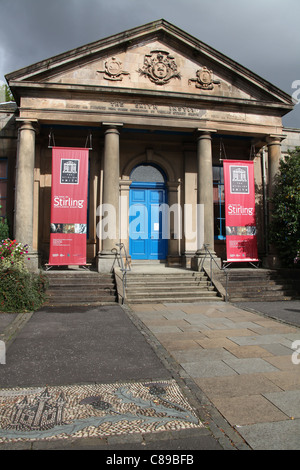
(87, 378)
(222, 375)
(241, 360)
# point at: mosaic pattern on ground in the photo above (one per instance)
(96, 410)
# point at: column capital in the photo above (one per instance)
(205, 132)
(173, 185)
(27, 124)
(275, 139)
(112, 124)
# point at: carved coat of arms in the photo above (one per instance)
(160, 67)
(113, 70)
(204, 79)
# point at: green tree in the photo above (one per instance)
(285, 221)
(5, 93)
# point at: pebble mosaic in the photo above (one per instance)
(94, 410)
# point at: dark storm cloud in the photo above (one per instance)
(262, 35)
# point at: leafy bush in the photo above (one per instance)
(4, 229)
(285, 221)
(21, 291)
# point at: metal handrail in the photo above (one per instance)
(212, 259)
(124, 268)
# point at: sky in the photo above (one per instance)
(262, 35)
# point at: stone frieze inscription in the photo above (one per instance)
(152, 109)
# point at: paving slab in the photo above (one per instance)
(258, 339)
(201, 355)
(288, 402)
(207, 368)
(237, 385)
(248, 409)
(248, 351)
(286, 379)
(281, 435)
(249, 365)
(283, 363)
(278, 349)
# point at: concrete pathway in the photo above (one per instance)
(245, 363)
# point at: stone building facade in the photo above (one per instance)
(159, 110)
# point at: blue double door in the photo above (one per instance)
(146, 237)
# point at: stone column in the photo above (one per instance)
(274, 156)
(175, 224)
(110, 201)
(205, 205)
(24, 195)
(124, 213)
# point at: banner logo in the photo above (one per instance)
(239, 180)
(69, 172)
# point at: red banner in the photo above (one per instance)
(68, 229)
(240, 220)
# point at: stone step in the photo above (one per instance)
(79, 279)
(171, 298)
(169, 287)
(158, 300)
(80, 288)
(172, 290)
(170, 294)
(80, 293)
(166, 273)
(81, 303)
(260, 288)
(253, 298)
(168, 284)
(259, 285)
(164, 280)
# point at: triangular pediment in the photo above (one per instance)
(157, 57)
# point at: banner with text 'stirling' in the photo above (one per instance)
(240, 220)
(68, 227)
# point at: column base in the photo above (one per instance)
(174, 260)
(187, 259)
(106, 262)
(201, 259)
(271, 262)
(33, 262)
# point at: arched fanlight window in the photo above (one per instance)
(147, 173)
